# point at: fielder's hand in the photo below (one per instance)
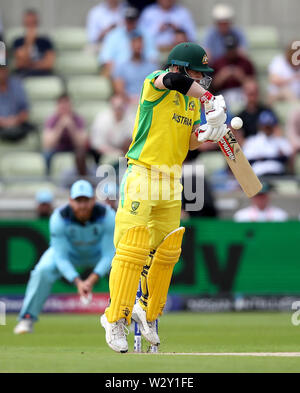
(207, 133)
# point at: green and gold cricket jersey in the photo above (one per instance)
(163, 126)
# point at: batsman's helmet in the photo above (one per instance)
(189, 55)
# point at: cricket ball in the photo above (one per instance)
(236, 123)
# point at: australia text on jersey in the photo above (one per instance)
(182, 119)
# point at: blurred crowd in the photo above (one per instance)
(129, 40)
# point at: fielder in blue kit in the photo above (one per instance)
(81, 235)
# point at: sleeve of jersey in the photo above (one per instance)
(61, 247)
(150, 93)
(107, 245)
(197, 115)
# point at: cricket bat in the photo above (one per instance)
(239, 165)
(236, 159)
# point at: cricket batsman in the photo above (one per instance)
(147, 234)
(81, 236)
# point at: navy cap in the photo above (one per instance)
(81, 188)
(267, 118)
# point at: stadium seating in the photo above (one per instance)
(11, 34)
(76, 63)
(63, 165)
(62, 162)
(286, 186)
(262, 58)
(30, 143)
(69, 38)
(284, 108)
(28, 187)
(41, 110)
(262, 37)
(89, 88)
(43, 88)
(22, 165)
(90, 109)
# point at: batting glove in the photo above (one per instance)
(207, 133)
(215, 109)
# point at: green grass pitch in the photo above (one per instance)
(76, 343)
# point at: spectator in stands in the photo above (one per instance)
(44, 203)
(34, 54)
(102, 19)
(116, 48)
(64, 132)
(231, 70)
(253, 109)
(111, 132)
(128, 77)
(163, 18)
(14, 108)
(293, 133)
(261, 209)
(140, 4)
(267, 153)
(213, 42)
(284, 77)
(180, 36)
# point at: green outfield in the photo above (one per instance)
(75, 343)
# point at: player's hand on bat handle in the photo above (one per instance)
(207, 133)
(215, 109)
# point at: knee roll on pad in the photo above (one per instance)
(131, 255)
(160, 272)
(178, 82)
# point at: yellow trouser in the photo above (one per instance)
(149, 200)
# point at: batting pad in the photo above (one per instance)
(160, 272)
(131, 255)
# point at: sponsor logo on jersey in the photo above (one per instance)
(182, 119)
(134, 207)
(192, 106)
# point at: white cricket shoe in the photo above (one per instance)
(148, 329)
(24, 326)
(116, 333)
